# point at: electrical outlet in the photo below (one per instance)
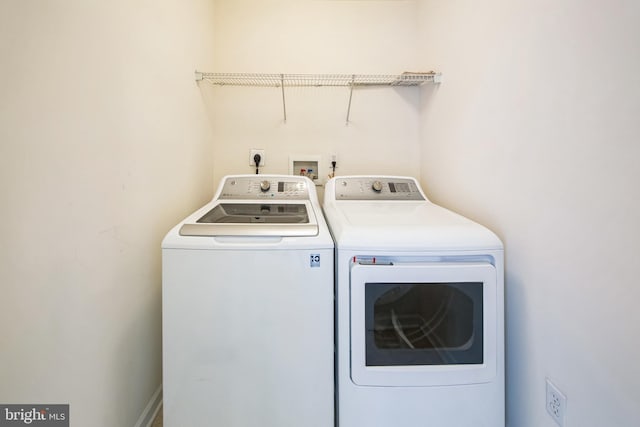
(556, 403)
(333, 165)
(252, 154)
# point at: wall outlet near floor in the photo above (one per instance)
(556, 403)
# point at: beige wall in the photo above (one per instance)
(315, 36)
(104, 145)
(535, 133)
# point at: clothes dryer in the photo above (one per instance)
(247, 298)
(419, 309)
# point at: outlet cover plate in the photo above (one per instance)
(255, 151)
(556, 403)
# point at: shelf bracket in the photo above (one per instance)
(284, 104)
(353, 78)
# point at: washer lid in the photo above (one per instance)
(266, 213)
(254, 219)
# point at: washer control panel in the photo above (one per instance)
(377, 188)
(264, 187)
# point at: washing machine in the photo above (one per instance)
(247, 309)
(419, 309)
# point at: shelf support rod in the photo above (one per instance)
(353, 78)
(284, 104)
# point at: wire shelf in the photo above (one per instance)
(318, 80)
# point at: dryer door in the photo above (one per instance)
(422, 324)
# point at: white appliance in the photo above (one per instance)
(247, 309)
(419, 309)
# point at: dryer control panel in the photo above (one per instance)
(265, 187)
(377, 188)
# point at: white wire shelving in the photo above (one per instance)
(350, 81)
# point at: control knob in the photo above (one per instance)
(376, 186)
(265, 186)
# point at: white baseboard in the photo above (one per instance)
(151, 410)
